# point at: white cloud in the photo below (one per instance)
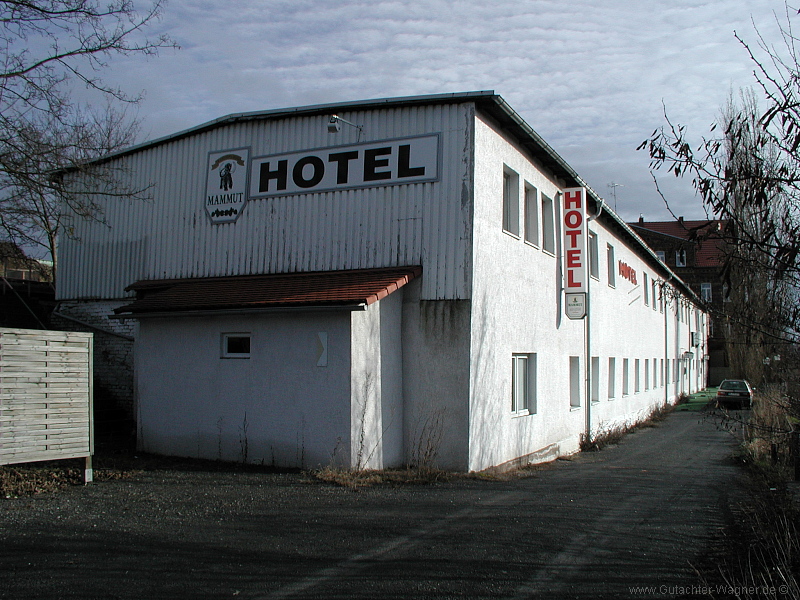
(589, 76)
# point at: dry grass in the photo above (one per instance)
(48, 477)
(370, 477)
(611, 436)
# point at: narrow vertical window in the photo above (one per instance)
(531, 215)
(646, 289)
(595, 378)
(594, 259)
(548, 226)
(636, 381)
(646, 374)
(626, 379)
(523, 384)
(612, 377)
(653, 294)
(612, 273)
(510, 201)
(574, 381)
(680, 258)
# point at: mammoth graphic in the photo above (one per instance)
(226, 177)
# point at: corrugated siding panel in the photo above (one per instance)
(171, 236)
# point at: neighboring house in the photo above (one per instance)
(693, 249)
(27, 296)
(371, 284)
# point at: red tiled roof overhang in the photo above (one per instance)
(257, 292)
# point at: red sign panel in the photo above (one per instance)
(575, 253)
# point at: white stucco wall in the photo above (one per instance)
(376, 432)
(518, 309)
(288, 410)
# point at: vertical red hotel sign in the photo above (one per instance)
(575, 252)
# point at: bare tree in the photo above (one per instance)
(747, 172)
(49, 46)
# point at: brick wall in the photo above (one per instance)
(113, 349)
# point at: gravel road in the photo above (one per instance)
(600, 525)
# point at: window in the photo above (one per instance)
(574, 381)
(705, 292)
(510, 201)
(612, 274)
(626, 384)
(680, 258)
(646, 290)
(531, 215)
(636, 382)
(612, 377)
(548, 226)
(661, 256)
(653, 293)
(235, 345)
(646, 374)
(661, 372)
(523, 384)
(655, 373)
(594, 260)
(595, 378)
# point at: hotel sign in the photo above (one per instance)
(575, 251)
(391, 162)
(233, 177)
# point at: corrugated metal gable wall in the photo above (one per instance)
(171, 236)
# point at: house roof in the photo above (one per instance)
(703, 233)
(342, 289)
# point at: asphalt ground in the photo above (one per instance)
(631, 521)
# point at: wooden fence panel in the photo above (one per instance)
(45, 396)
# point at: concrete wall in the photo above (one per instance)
(376, 385)
(277, 407)
(435, 343)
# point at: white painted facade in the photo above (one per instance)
(426, 373)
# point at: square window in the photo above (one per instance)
(235, 345)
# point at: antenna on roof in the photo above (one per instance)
(614, 187)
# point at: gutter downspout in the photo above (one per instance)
(588, 329)
(665, 375)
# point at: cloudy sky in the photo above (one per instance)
(591, 76)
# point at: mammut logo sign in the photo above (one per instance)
(226, 184)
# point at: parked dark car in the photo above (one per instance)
(734, 392)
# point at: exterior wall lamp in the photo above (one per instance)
(335, 125)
